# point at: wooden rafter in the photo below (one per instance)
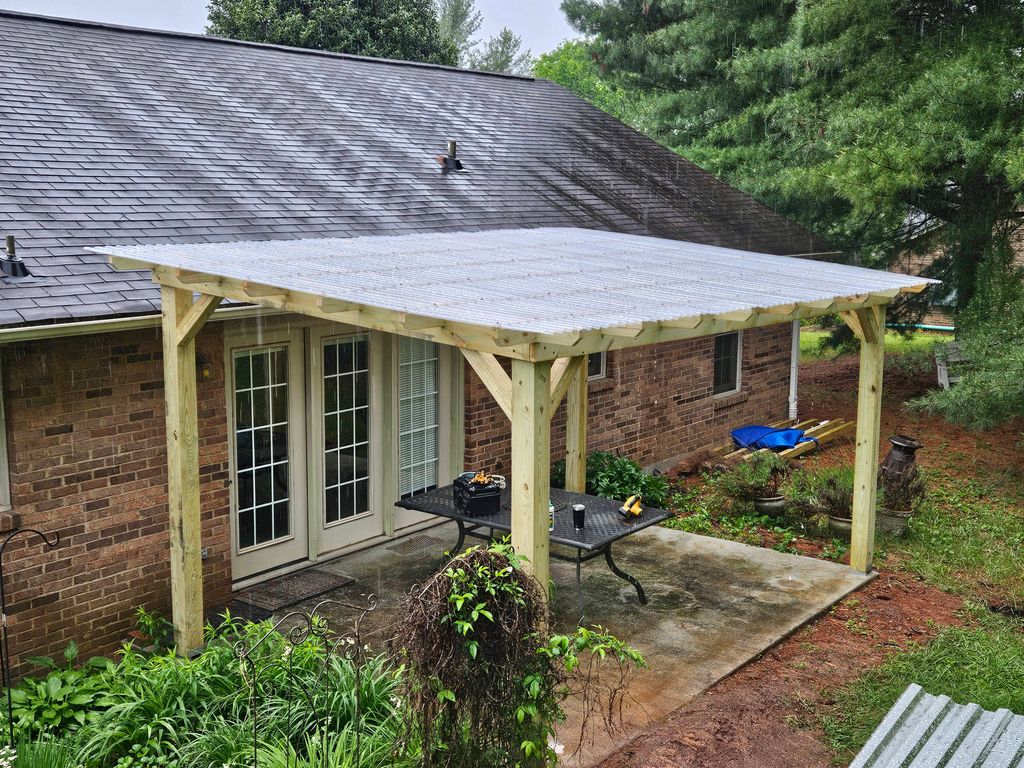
(498, 341)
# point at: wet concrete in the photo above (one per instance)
(713, 606)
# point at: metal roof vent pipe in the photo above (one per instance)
(450, 161)
(10, 263)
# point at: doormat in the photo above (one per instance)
(293, 588)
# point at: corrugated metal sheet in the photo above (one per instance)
(547, 280)
(925, 731)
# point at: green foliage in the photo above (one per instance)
(883, 125)
(991, 387)
(67, 697)
(502, 53)
(391, 29)
(706, 512)
(572, 66)
(983, 665)
(157, 629)
(163, 710)
(827, 491)
(616, 477)
(45, 752)
(758, 477)
(483, 685)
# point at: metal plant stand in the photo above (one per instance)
(5, 653)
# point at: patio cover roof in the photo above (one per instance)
(558, 291)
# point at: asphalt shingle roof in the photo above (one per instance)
(118, 137)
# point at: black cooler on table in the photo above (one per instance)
(474, 498)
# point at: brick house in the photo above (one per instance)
(120, 136)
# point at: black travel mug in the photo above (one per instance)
(579, 516)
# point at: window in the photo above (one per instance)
(346, 428)
(418, 427)
(5, 478)
(597, 363)
(727, 363)
(261, 445)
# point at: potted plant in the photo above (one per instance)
(828, 492)
(898, 495)
(758, 479)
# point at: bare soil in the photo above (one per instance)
(767, 713)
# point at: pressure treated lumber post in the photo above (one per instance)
(531, 463)
(182, 471)
(576, 431)
(869, 326)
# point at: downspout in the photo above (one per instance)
(794, 368)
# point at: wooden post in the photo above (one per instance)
(183, 467)
(869, 326)
(576, 431)
(531, 463)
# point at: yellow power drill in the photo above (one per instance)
(632, 508)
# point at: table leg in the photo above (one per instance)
(623, 575)
(579, 587)
(457, 549)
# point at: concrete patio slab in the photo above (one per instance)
(713, 606)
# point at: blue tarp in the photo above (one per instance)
(755, 436)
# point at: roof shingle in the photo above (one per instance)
(118, 136)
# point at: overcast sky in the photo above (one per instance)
(539, 22)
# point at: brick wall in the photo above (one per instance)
(655, 403)
(85, 427)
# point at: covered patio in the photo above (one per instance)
(545, 298)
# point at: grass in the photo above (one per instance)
(983, 664)
(965, 536)
(920, 342)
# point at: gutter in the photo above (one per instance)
(115, 325)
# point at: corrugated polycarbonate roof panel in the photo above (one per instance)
(926, 731)
(547, 280)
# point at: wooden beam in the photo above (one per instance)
(531, 464)
(562, 378)
(869, 413)
(182, 471)
(493, 377)
(576, 430)
(196, 318)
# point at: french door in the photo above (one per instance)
(329, 426)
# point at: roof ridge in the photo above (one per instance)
(92, 24)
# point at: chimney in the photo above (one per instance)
(10, 263)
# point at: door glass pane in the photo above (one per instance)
(417, 416)
(261, 446)
(346, 428)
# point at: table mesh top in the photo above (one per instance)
(603, 524)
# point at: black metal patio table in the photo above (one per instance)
(603, 527)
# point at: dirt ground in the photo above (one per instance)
(766, 714)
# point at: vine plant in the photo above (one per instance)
(486, 680)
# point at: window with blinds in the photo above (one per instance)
(417, 416)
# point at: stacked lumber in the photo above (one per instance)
(823, 431)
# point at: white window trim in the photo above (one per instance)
(5, 472)
(604, 366)
(739, 366)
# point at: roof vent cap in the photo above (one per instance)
(450, 162)
(10, 263)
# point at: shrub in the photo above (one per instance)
(757, 477)
(484, 685)
(900, 492)
(42, 753)
(616, 477)
(826, 492)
